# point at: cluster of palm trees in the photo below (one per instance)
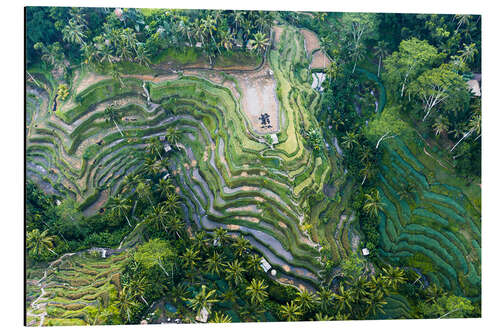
(214, 31)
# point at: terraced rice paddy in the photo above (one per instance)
(72, 288)
(437, 227)
(227, 171)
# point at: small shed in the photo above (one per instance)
(365, 251)
(265, 265)
(274, 137)
(167, 148)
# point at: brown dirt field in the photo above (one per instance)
(319, 60)
(259, 96)
(311, 40)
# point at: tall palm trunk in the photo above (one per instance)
(119, 130)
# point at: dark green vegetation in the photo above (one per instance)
(133, 145)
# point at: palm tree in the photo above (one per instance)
(220, 235)
(433, 293)
(155, 147)
(241, 246)
(367, 172)
(119, 207)
(234, 272)
(51, 54)
(165, 187)
(130, 38)
(441, 125)
(462, 20)
(226, 39)
(200, 241)
(474, 127)
(467, 54)
(210, 24)
(393, 276)
(175, 225)
(202, 300)
(253, 263)
(111, 114)
(374, 303)
(116, 75)
(157, 217)
(37, 242)
(215, 263)
(344, 299)
(306, 300)
(190, 258)
(290, 311)
(139, 286)
(322, 317)
(178, 293)
(173, 135)
(125, 303)
(259, 42)
(325, 298)
(350, 140)
(143, 191)
(142, 55)
(380, 50)
(257, 291)
(73, 33)
(172, 202)
(373, 203)
(220, 318)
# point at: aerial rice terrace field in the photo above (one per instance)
(234, 184)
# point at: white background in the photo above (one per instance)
(12, 163)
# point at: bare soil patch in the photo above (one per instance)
(277, 35)
(311, 40)
(319, 60)
(259, 97)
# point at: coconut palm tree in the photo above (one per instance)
(209, 24)
(220, 318)
(220, 235)
(139, 286)
(325, 298)
(253, 263)
(116, 75)
(462, 20)
(393, 276)
(259, 42)
(190, 258)
(241, 246)
(73, 33)
(350, 140)
(474, 127)
(119, 207)
(200, 241)
(373, 203)
(374, 303)
(203, 299)
(322, 317)
(433, 293)
(306, 300)
(172, 202)
(157, 217)
(165, 187)
(381, 51)
(344, 299)
(143, 190)
(467, 54)
(226, 39)
(441, 125)
(51, 54)
(234, 272)
(37, 242)
(125, 303)
(257, 291)
(155, 147)
(173, 135)
(112, 115)
(142, 55)
(215, 263)
(175, 225)
(290, 311)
